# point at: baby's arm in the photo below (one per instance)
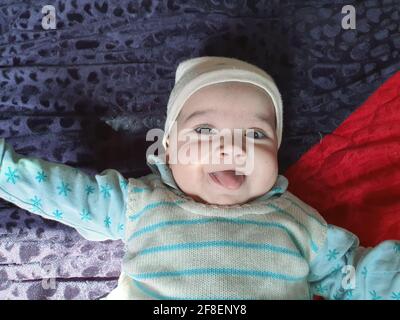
(343, 270)
(93, 205)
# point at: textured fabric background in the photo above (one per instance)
(110, 64)
(352, 176)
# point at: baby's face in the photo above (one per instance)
(210, 115)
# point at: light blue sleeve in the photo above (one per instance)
(94, 206)
(343, 270)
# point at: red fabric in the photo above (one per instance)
(352, 177)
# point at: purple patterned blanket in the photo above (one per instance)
(85, 94)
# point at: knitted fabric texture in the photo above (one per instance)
(181, 249)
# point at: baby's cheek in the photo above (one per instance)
(179, 173)
(186, 177)
(263, 159)
(266, 162)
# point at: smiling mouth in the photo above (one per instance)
(229, 179)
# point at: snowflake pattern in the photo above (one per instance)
(58, 214)
(121, 227)
(89, 190)
(123, 184)
(64, 189)
(85, 215)
(332, 254)
(105, 190)
(395, 295)
(107, 222)
(320, 289)
(41, 176)
(337, 296)
(374, 295)
(12, 175)
(348, 294)
(337, 268)
(36, 203)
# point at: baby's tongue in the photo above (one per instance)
(229, 179)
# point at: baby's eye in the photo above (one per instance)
(255, 134)
(205, 130)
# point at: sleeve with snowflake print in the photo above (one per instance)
(93, 205)
(343, 270)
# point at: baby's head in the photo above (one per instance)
(222, 138)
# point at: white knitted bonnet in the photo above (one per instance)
(195, 73)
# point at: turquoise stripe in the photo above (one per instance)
(158, 296)
(170, 223)
(138, 190)
(217, 271)
(152, 293)
(199, 245)
(307, 213)
(314, 246)
(153, 205)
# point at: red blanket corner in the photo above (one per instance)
(352, 177)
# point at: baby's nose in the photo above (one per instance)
(232, 148)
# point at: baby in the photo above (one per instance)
(215, 219)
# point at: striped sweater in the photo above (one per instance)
(181, 249)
